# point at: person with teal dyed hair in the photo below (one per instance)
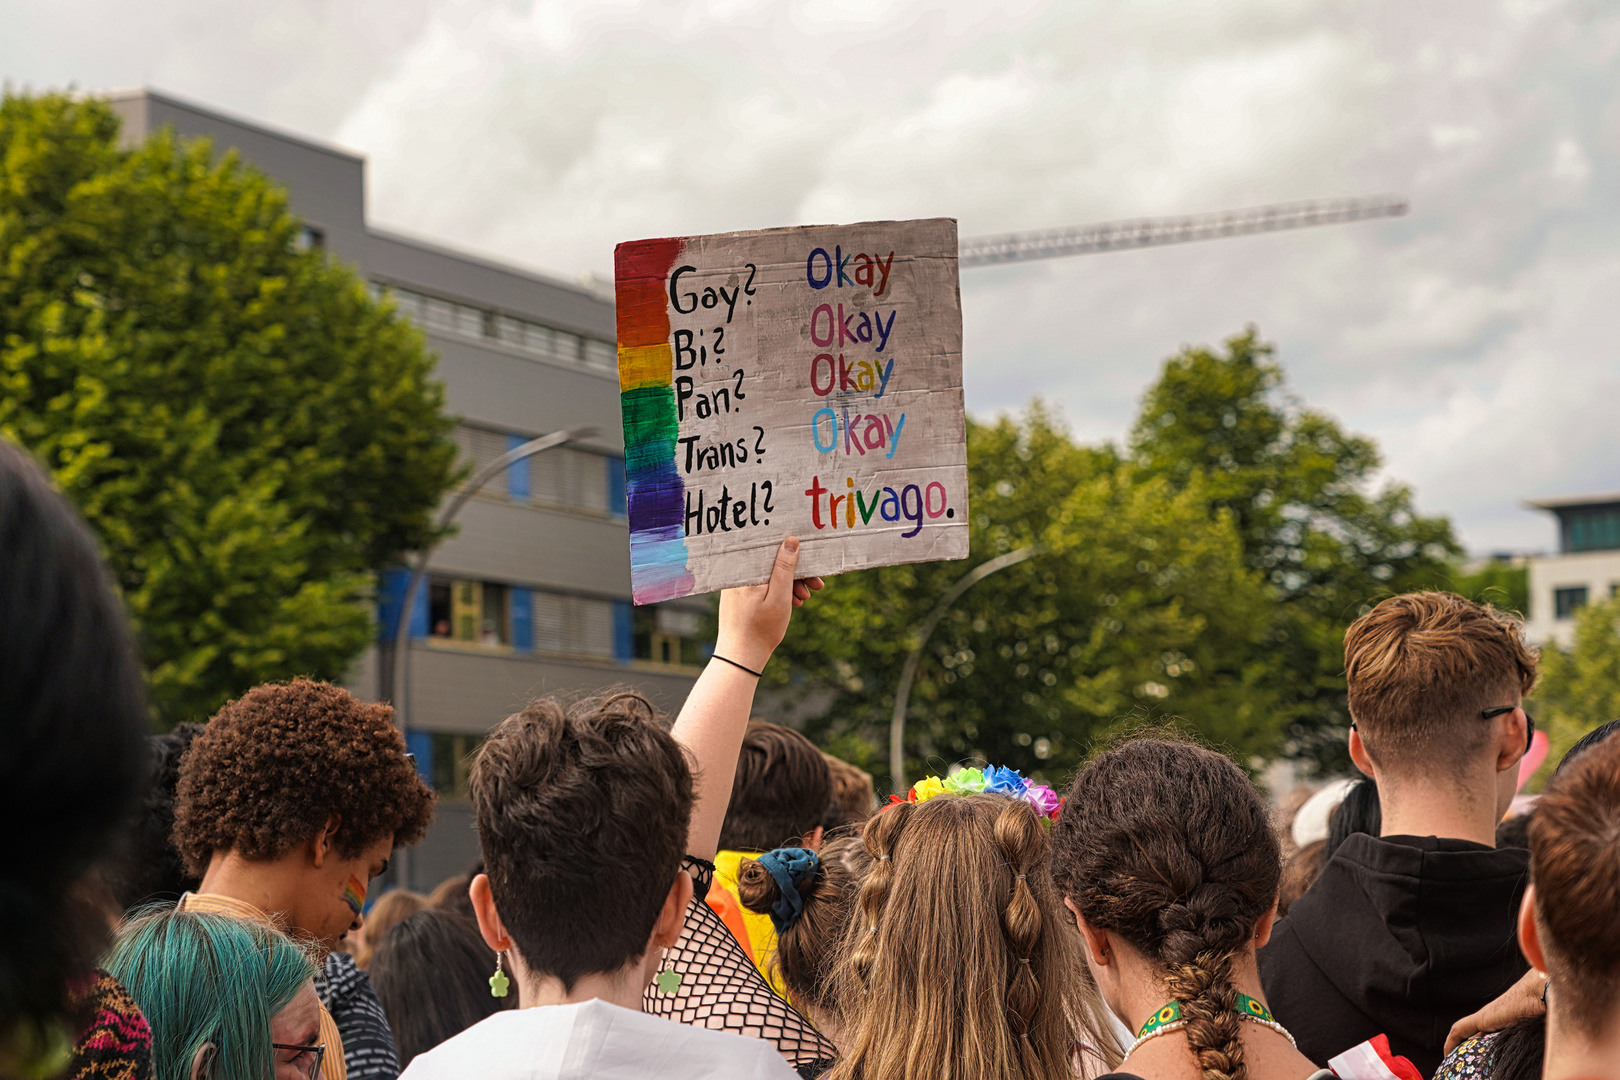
(227, 999)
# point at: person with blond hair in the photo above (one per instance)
(1404, 932)
(959, 960)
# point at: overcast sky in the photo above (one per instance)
(1470, 339)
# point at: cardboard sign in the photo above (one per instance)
(804, 382)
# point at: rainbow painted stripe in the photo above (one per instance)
(354, 894)
(653, 485)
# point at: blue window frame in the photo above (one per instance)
(391, 596)
(522, 620)
(616, 497)
(420, 745)
(624, 631)
(517, 473)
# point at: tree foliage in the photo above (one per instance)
(247, 431)
(1123, 615)
(1580, 685)
(1300, 491)
(1206, 572)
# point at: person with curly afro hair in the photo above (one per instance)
(289, 802)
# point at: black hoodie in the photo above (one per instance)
(1401, 935)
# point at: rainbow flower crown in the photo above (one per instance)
(993, 780)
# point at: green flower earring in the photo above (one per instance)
(499, 984)
(668, 980)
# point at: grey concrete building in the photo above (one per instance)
(533, 594)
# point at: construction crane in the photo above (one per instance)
(1155, 232)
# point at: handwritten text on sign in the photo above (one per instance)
(803, 381)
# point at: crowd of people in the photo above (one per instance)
(717, 898)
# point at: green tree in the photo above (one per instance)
(1580, 685)
(1496, 583)
(1300, 492)
(1139, 606)
(248, 432)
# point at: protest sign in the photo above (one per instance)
(803, 381)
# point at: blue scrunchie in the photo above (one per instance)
(791, 867)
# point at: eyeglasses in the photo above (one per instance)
(1492, 714)
(316, 1054)
(1529, 722)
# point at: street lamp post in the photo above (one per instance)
(401, 673)
(897, 727)
(401, 679)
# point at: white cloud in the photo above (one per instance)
(1472, 339)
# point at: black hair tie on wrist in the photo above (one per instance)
(733, 663)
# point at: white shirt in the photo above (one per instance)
(596, 1040)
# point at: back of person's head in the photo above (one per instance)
(149, 869)
(807, 946)
(451, 893)
(780, 792)
(853, 798)
(1299, 873)
(1170, 846)
(1421, 667)
(74, 763)
(1575, 868)
(582, 815)
(1360, 812)
(1514, 832)
(209, 981)
(277, 764)
(958, 959)
(388, 911)
(1586, 742)
(431, 972)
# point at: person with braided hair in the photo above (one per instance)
(958, 960)
(1166, 858)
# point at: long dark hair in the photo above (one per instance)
(431, 972)
(75, 763)
(1169, 845)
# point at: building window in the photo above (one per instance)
(506, 618)
(310, 239)
(439, 607)
(563, 476)
(451, 762)
(1591, 528)
(535, 339)
(1566, 602)
(668, 635)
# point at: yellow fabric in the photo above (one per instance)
(761, 943)
(332, 1066)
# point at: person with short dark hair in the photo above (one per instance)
(73, 716)
(1407, 931)
(148, 870)
(431, 971)
(778, 799)
(587, 815)
(288, 804)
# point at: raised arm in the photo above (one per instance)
(753, 621)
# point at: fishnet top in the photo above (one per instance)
(721, 989)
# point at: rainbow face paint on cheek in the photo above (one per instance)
(354, 894)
